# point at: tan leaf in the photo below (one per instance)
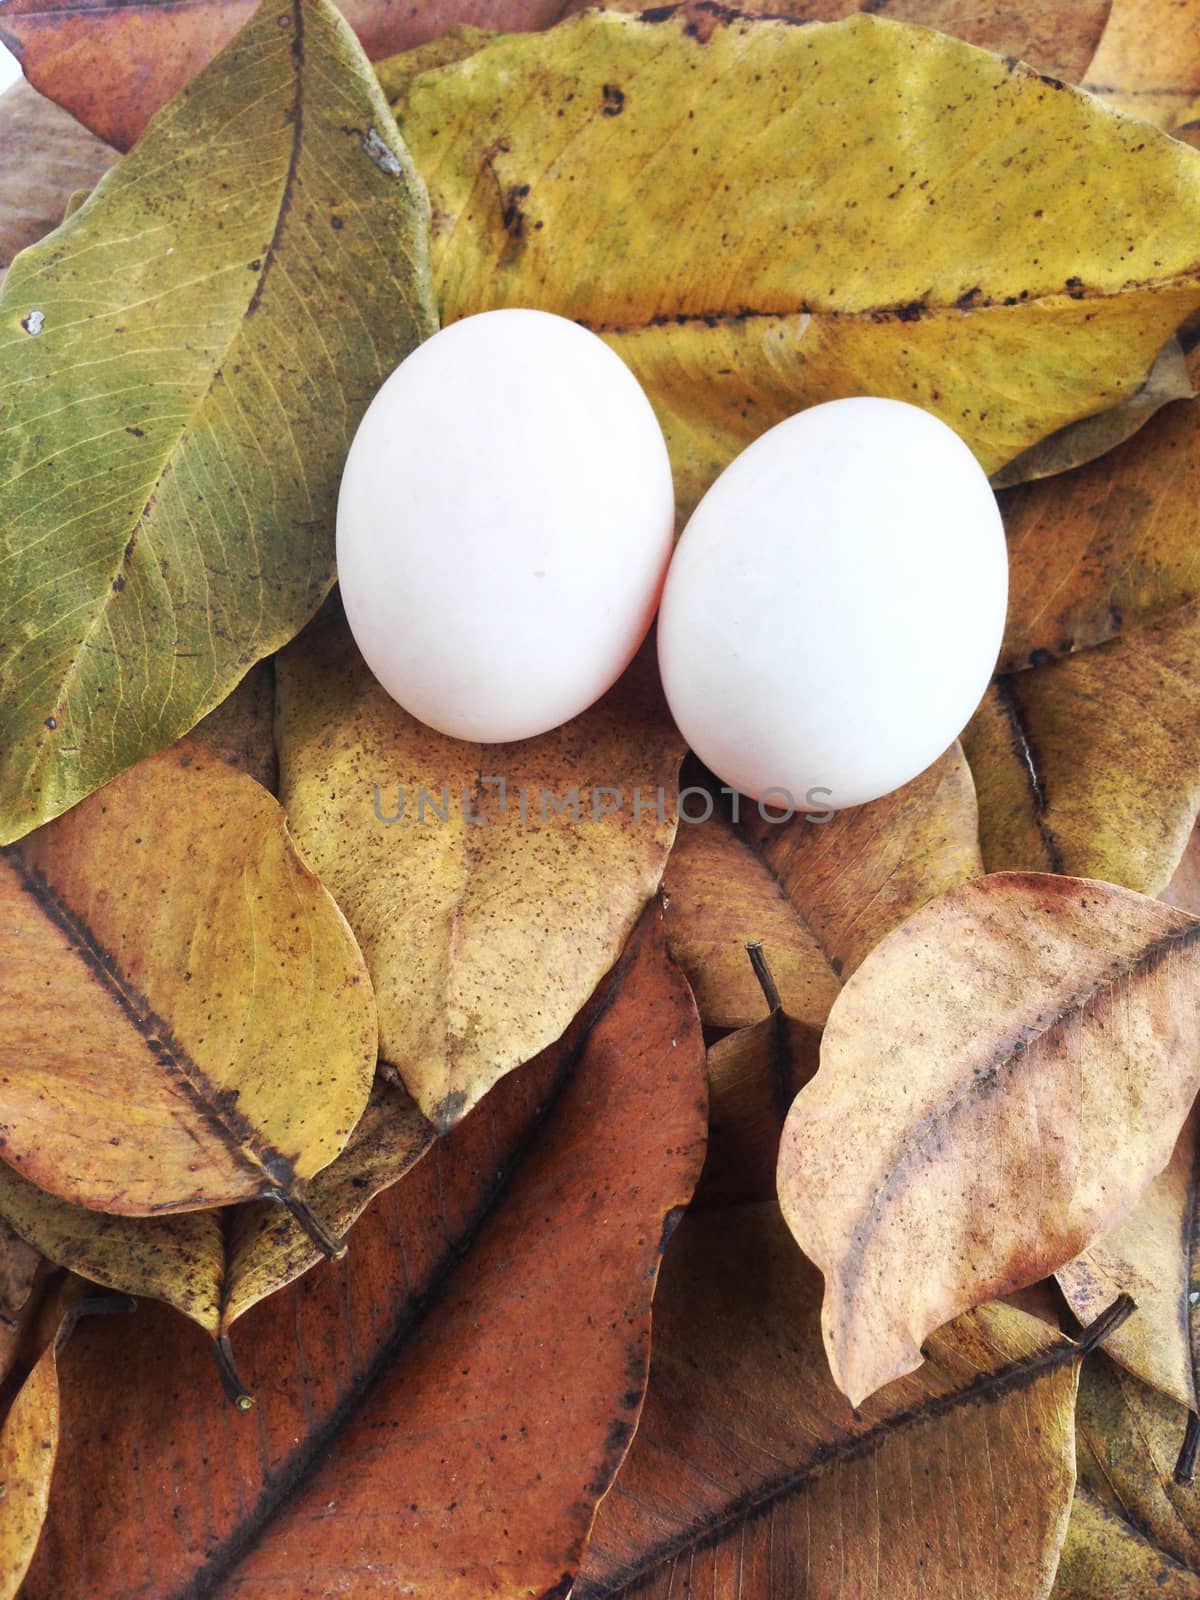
(483, 938)
(1147, 62)
(1149, 1256)
(751, 1476)
(710, 140)
(188, 1020)
(817, 895)
(977, 1074)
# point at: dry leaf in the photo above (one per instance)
(1134, 1532)
(976, 1076)
(215, 1266)
(113, 64)
(28, 1448)
(483, 937)
(626, 172)
(1147, 62)
(1079, 442)
(750, 1475)
(441, 1410)
(188, 1020)
(1090, 764)
(1149, 1256)
(1105, 550)
(817, 895)
(754, 1075)
(181, 367)
(44, 157)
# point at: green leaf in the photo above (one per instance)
(182, 365)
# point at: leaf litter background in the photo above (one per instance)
(758, 216)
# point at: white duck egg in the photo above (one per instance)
(504, 525)
(835, 606)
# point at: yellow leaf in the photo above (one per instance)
(758, 216)
(977, 1074)
(483, 937)
(188, 1020)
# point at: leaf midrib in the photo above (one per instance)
(1012, 1377)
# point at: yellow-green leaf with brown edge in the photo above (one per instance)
(490, 886)
(182, 365)
(764, 215)
(817, 892)
(188, 1020)
(212, 1266)
(977, 1074)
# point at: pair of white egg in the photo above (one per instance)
(827, 623)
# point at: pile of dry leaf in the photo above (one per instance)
(246, 1007)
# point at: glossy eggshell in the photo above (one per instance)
(835, 607)
(504, 524)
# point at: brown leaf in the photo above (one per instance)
(44, 157)
(754, 1074)
(817, 895)
(440, 1411)
(483, 938)
(1108, 549)
(976, 1076)
(751, 1476)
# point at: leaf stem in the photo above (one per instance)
(1185, 1467)
(325, 1242)
(231, 1380)
(762, 972)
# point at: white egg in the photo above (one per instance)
(504, 525)
(835, 606)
